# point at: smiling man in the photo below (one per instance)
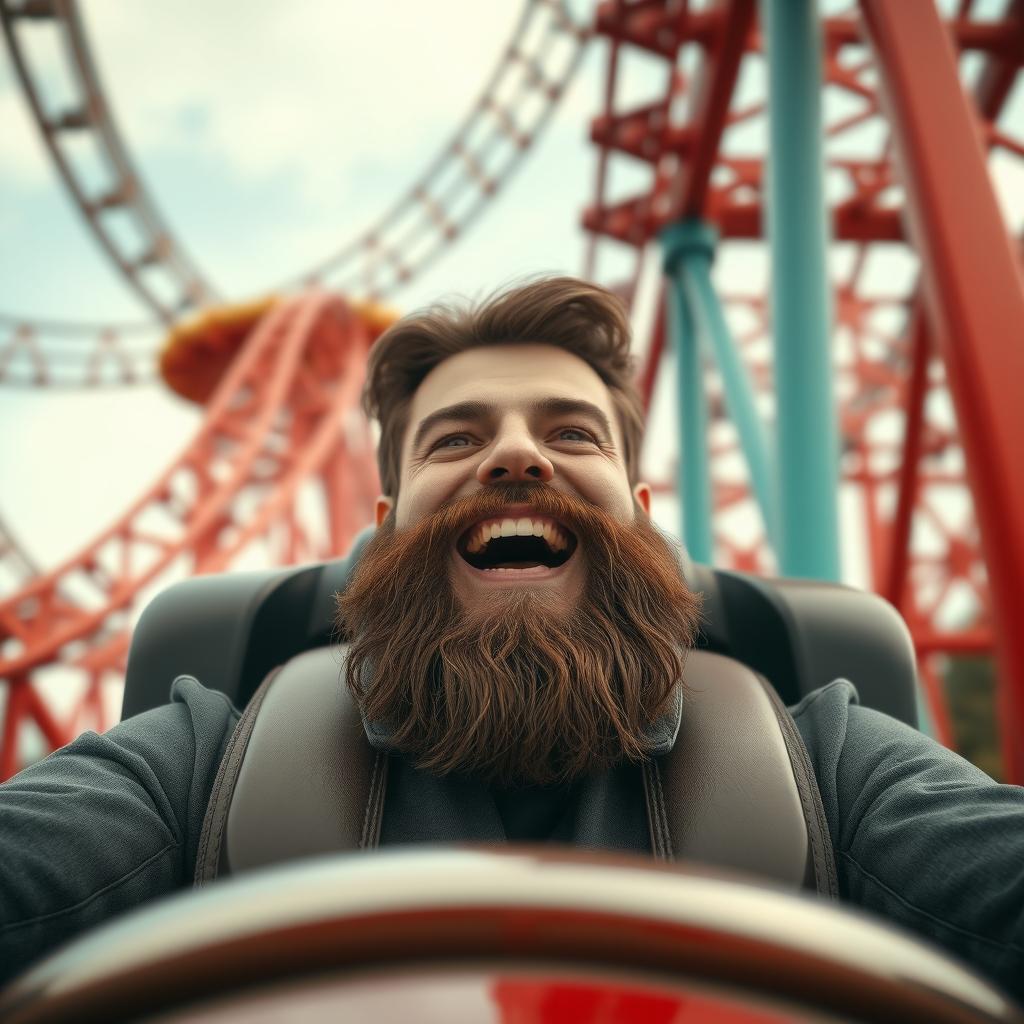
(542, 618)
(516, 641)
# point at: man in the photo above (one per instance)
(516, 635)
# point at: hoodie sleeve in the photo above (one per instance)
(107, 822)
(922, 837)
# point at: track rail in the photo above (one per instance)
(64, 354)
(17, 567)
(285, 415)
(150, 259)
(902, 452)
(513, 108)
(493, 139)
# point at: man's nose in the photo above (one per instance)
(515, 456)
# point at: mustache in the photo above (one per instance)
(452, 518)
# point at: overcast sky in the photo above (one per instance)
(269, 134)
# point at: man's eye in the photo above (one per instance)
(573, 434)
(454, 441)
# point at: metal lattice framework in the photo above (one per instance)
(483, 153)
(903, 449)
(284, 416)
(149, 257)
(283, 421)
(918, 402)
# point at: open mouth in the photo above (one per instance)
(517, 543)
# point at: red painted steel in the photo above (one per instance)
(285, 415)
(975, 299)
(702, 143)
(494, 138)
(902, 456)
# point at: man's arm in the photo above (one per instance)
(106, 823)
(922, 837)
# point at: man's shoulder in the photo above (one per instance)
(823, 718)
(196, 720)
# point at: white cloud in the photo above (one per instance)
(271, 88)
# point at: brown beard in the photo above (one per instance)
(518, 692)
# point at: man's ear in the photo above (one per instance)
(383, 507)
(642, 493)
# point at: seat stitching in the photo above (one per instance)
(364, 839)
(657, 812)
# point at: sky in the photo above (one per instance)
(269, 135)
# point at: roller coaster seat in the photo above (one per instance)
(231, 630)
(736, 792)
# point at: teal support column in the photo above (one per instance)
(689, 247)
(808, 449)
(693, 480)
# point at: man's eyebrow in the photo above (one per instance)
(574, 407)
(458, 411)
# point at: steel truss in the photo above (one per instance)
(927, 406)
(285, 418)
(149, 257)
(495, 136)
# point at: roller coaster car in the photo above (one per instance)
(511, 934)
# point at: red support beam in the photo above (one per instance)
(712, 95)
(1000, 72)
(649, 373)
(974, 297)
(898, 554)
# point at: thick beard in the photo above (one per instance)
(518, 692)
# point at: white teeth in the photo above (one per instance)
(481, 536)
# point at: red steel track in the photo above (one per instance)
(470, 169)
(924, 374)
(903, 427)
(285, 416)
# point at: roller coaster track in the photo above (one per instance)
(516, 103)
(148, 256)
(16, 566)
(903, 452)
(285, 414)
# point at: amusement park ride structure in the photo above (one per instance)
(926, 416)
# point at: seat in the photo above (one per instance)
(231, 630)
(738, 793)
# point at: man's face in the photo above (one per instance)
(509, 414)
(537, 657)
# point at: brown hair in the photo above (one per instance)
(582, 318)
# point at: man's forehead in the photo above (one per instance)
(509, 378)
